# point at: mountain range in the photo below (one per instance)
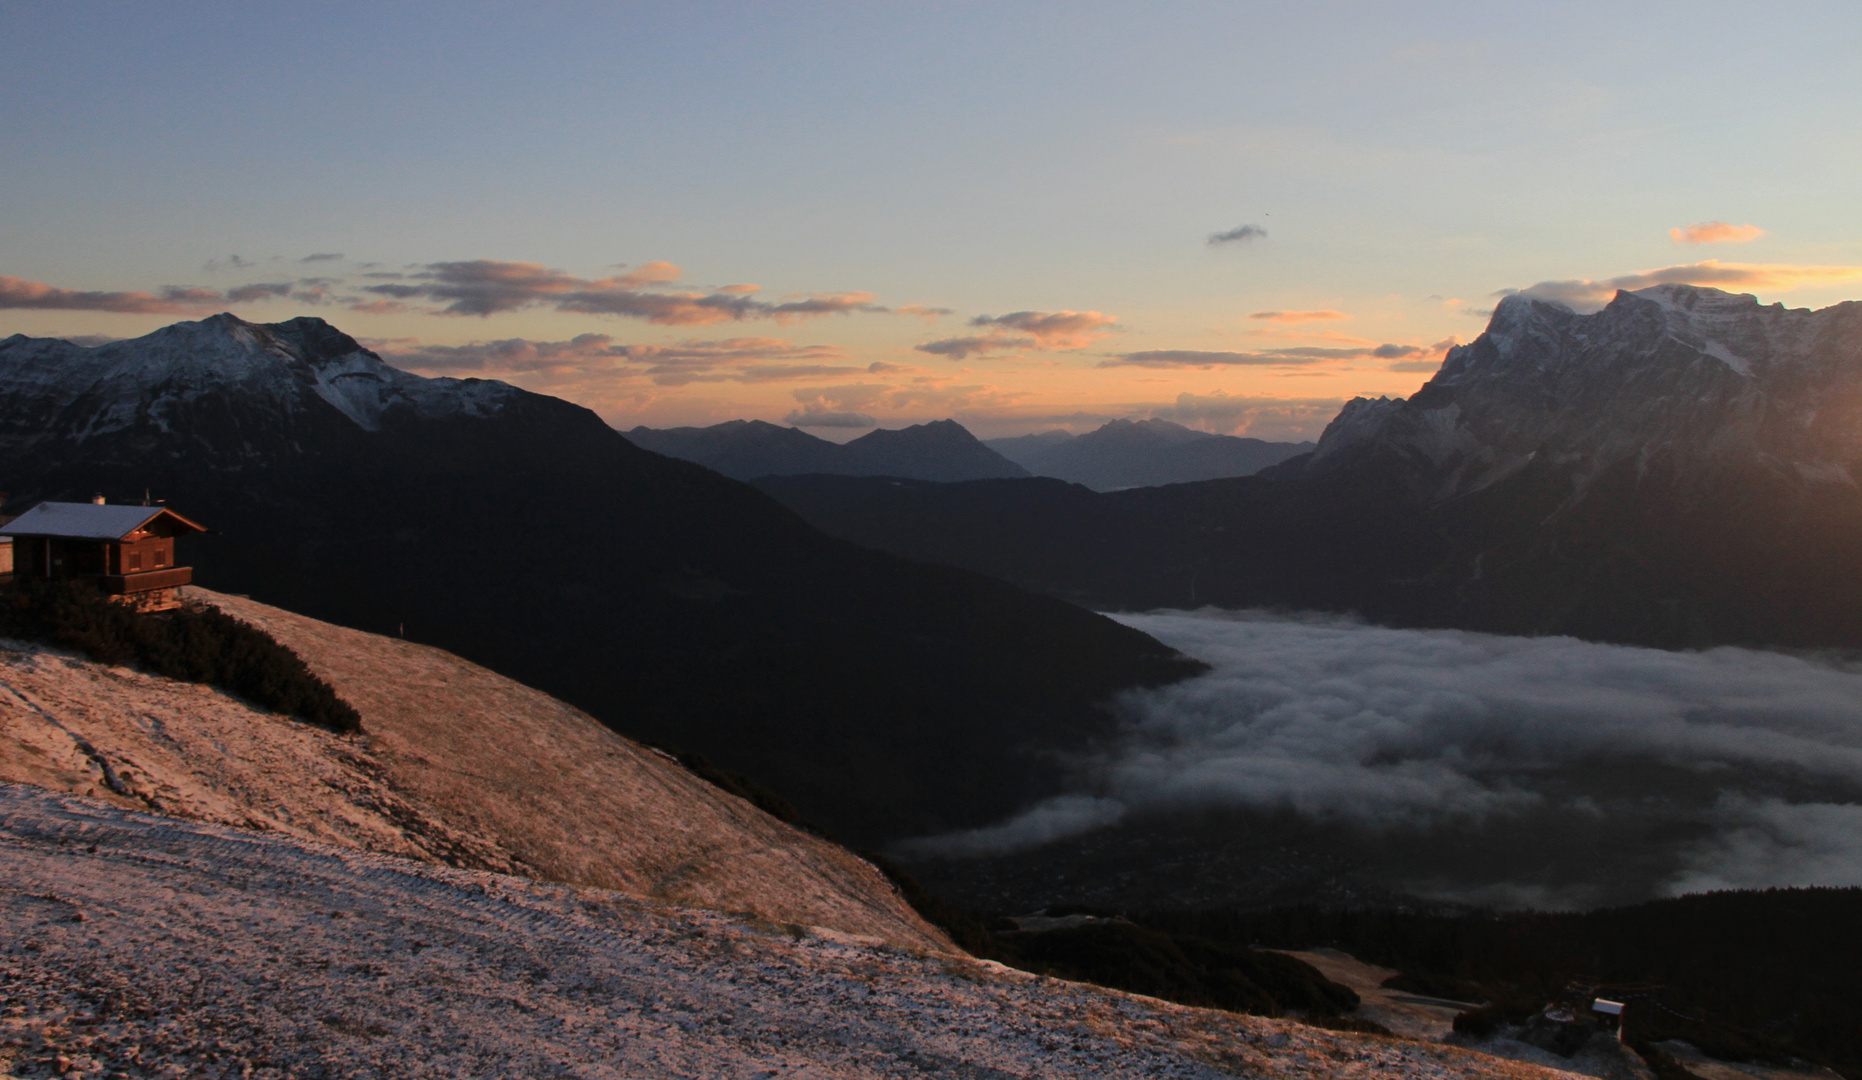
(885, 698)
(1142, 453)
(745, 449)
(1121, 454)
(1677, 469)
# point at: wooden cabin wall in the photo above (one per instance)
(149, 553)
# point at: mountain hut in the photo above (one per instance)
(129, 551)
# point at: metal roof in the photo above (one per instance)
(88, 521)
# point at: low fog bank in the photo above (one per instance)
(1730, 768)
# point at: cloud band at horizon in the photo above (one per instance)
(1418, 729)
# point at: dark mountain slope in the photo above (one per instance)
(746, 449)
(743, 448)
(1233, 543)
(1679, 469)
(939, 450)
(1146, 453)
(521, 532)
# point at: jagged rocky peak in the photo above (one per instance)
(292, 366)
(1676, 374)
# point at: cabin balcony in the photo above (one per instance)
(147, 580)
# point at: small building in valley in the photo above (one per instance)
(129, 551)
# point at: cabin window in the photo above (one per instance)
(160, 557)
(135, 560)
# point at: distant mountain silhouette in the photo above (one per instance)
(746, 449)
(519, 531)
(1143, 453)
(1679, 469)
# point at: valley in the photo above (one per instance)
(913, 662)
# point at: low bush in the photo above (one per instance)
(1662, 1065)
(196, 644)
(1355, 1024)
(1479, 1022)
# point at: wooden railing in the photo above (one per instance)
(147, 580)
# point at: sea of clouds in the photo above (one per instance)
(1414, 729)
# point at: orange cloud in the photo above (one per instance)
(1321, 315)
(172, 300)
(1287, 419)
(1038, 330)
(1300, 355)
(488, 286)
(1715, 232)
(1585, 294)
(740, 360)
(657, 272)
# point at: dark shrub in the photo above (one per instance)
(1356, 1024)
(1478, 1022)
(1662, 1065)
(194, 644)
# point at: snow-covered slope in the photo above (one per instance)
(456, 765)
(139, 946)
(1680, 383)
(303, 369)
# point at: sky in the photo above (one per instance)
(1024, 216)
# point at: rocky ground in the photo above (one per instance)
(142, 946)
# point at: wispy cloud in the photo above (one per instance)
(1715, 232)
(921, 395)
(1295, 317)
(378, 307)
(660, 272)
(323, 256)
(817, 414)
(739, 360)
(1038, 331)
(170, 300)
(1274, 419)
(1298, 354)
(488, 286)
(1583, 294)
(245, 294)
(1240, 234)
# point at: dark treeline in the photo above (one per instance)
(1181, 966)
(1757, 975)
(193, 644)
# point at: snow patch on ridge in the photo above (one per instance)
(120, 384)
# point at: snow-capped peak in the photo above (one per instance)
(289, 365)
(1677, 372)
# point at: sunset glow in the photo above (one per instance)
(902, 228)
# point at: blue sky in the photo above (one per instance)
(1063, 165)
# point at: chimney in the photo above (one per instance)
(97, 499)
